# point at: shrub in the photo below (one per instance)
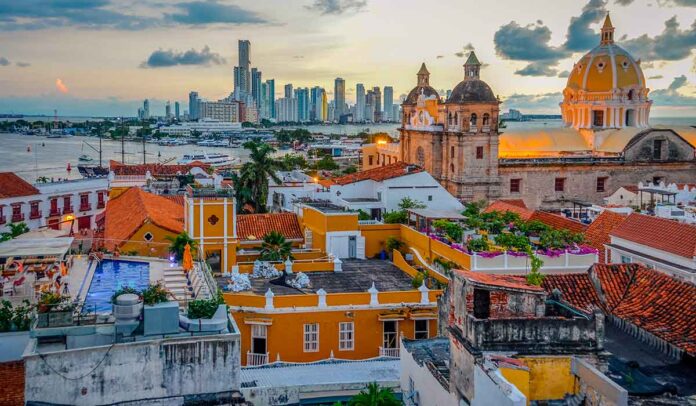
(396, 217)
(49, 302)
(511, 241)
(453, 230)
(534, 277)
(18, 316)
(417, 280)
(155, 293)
(363, 215)
(477, 245)
(124, 290)
(393, 243)
(202, 309)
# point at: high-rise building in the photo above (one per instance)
(242, 74)
(359, 102)
(377, 116)
(168, 110)
(388, 104)
(286, 109)
(193, 105)
(270, 94)
(396, 114)
(146, 109)
(370, 102)
(339, 97)
(316, 104)
(176, 110)
(227, 111)
(324, 106)
(288, 91)
(256, 86)
(302, 96)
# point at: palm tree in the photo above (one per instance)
(178, 244)
(275, 248)
(373, 395)
(253, 177)
(16, 229)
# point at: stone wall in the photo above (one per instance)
(537, 180)
(192, 368)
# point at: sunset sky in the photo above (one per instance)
(102, 57)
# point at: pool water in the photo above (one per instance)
(110, 276)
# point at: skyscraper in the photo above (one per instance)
(359, 102)
(242, 76)
(168, 110)
(176, 110)
(339, 97)
(388, 104)
(316, 104)
(256, 86)
(302, 96)
(324, 106)
(377, 117)
(288, 91)
(146, 109)
(270, 92)
(193, 105)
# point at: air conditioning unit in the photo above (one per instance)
(127, 308)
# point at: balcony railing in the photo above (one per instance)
(35, 215)
(254, 359)
(67, 209)
(85, 207)
(486, 128)
(473, 129)
(389, 352)
(55, 212)
(101, 204)
(17, 217)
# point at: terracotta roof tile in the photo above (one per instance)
(154, 169)
(558, 222)
(662, 234)
(649, 299)
(597, 233)
(252, 227)
(501, 281)
(12, 185)
(507, 205)
(631, 188)
(380, 173)
(130, 210)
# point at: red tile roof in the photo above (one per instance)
(649, 299)
(253, 227)
(597, 233)
(501, 281)
(12, 185)
(379, 174)
(505, 205)
(133, 208)
(155, 169)
(631, 188)
(558, 222)
(658, 233)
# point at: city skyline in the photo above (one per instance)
(524, 51)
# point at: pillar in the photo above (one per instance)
(374, 300)
(269, 299)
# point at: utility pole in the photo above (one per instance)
(100, 149)
(143, 136)
(123, 146)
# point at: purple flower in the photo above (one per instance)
(516, 254)
(489, 254)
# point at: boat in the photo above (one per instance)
(216, 160)
(85, 158)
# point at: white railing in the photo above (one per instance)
(504, 262)
(256, 359)
(389, 352)
(369, 222)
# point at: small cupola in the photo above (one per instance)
(472, 67)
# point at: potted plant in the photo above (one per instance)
(477, 245)
(205, 315)
(392, 244)
(54, 310)
(160, 316)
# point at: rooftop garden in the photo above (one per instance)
(494, 233)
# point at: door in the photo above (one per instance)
(84, 223)
(482, 303)
(390, 334)
(352, 247)
(258, 339)
(339, 246)
(54, 224)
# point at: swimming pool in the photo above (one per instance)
(111, 275)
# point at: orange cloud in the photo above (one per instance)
(61, 86)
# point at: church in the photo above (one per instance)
(607, 140)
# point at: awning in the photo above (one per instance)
(35, 247)
(423, 316)
(259, 322)
(391, 317)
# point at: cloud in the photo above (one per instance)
(580, 36)
(672, 44)
(162, 58)
(671, 95)
(564, 74)
(623, 2)
(4, 61)
(466, 49)
(537, 69)
(43, 14)
(23, 64)
(439, 57)
(528, 43)
(672, 3)
(61, 86)
(337, 7)
(656, 77)
(213, 12)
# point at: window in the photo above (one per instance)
(390, 335)
(84, 202)
(482, 303)
(430, 198)
(657, 180)
(34, 213)
(148, 236)
(67, 207)
(345, 336)
(420, 329)
(369, 160)
(625, 259)
(452, 152)
(472, 121)
(657, 149)
(311, 337)
(486, 119)
(259, 334)
(100, 200)
(17, 212)
(559, 185)
(515, 185)
(479, 152)
(601, 183)
(54, 206)
(598, 118)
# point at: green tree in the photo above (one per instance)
(327, 163)
(291, 162)
(350, 169)
(408, 203)
(16, 229)
(252, 183)
(374, 395)
(275, 248)
(534, 277)
(178, 244)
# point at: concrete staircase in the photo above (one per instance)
(176, 282)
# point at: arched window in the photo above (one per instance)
(420, 156)
(456, 118)
(472, 120)
(452, 152)
(449, 118)
(630, 94)
(486, 119)
(452, 168)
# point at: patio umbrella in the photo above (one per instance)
(187, 262)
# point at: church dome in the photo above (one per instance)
(606, 67)
(472, 91)
(423, 87)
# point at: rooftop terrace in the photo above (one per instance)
(324, 206)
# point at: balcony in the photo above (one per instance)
(54, 212)
(67, 209)
(101, 204)
(3, 219)
(17, 217)
(35, 214)
(256, 359)
(389, 352)
(85, 207)
(486, 129)
(473, 129)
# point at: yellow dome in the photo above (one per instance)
(605, 68)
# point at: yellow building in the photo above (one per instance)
(380, 153)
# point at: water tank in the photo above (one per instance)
(127, 308)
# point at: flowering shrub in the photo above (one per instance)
(489, 254)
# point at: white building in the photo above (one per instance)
(375, 191)
(58, 205)
(206, 126)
